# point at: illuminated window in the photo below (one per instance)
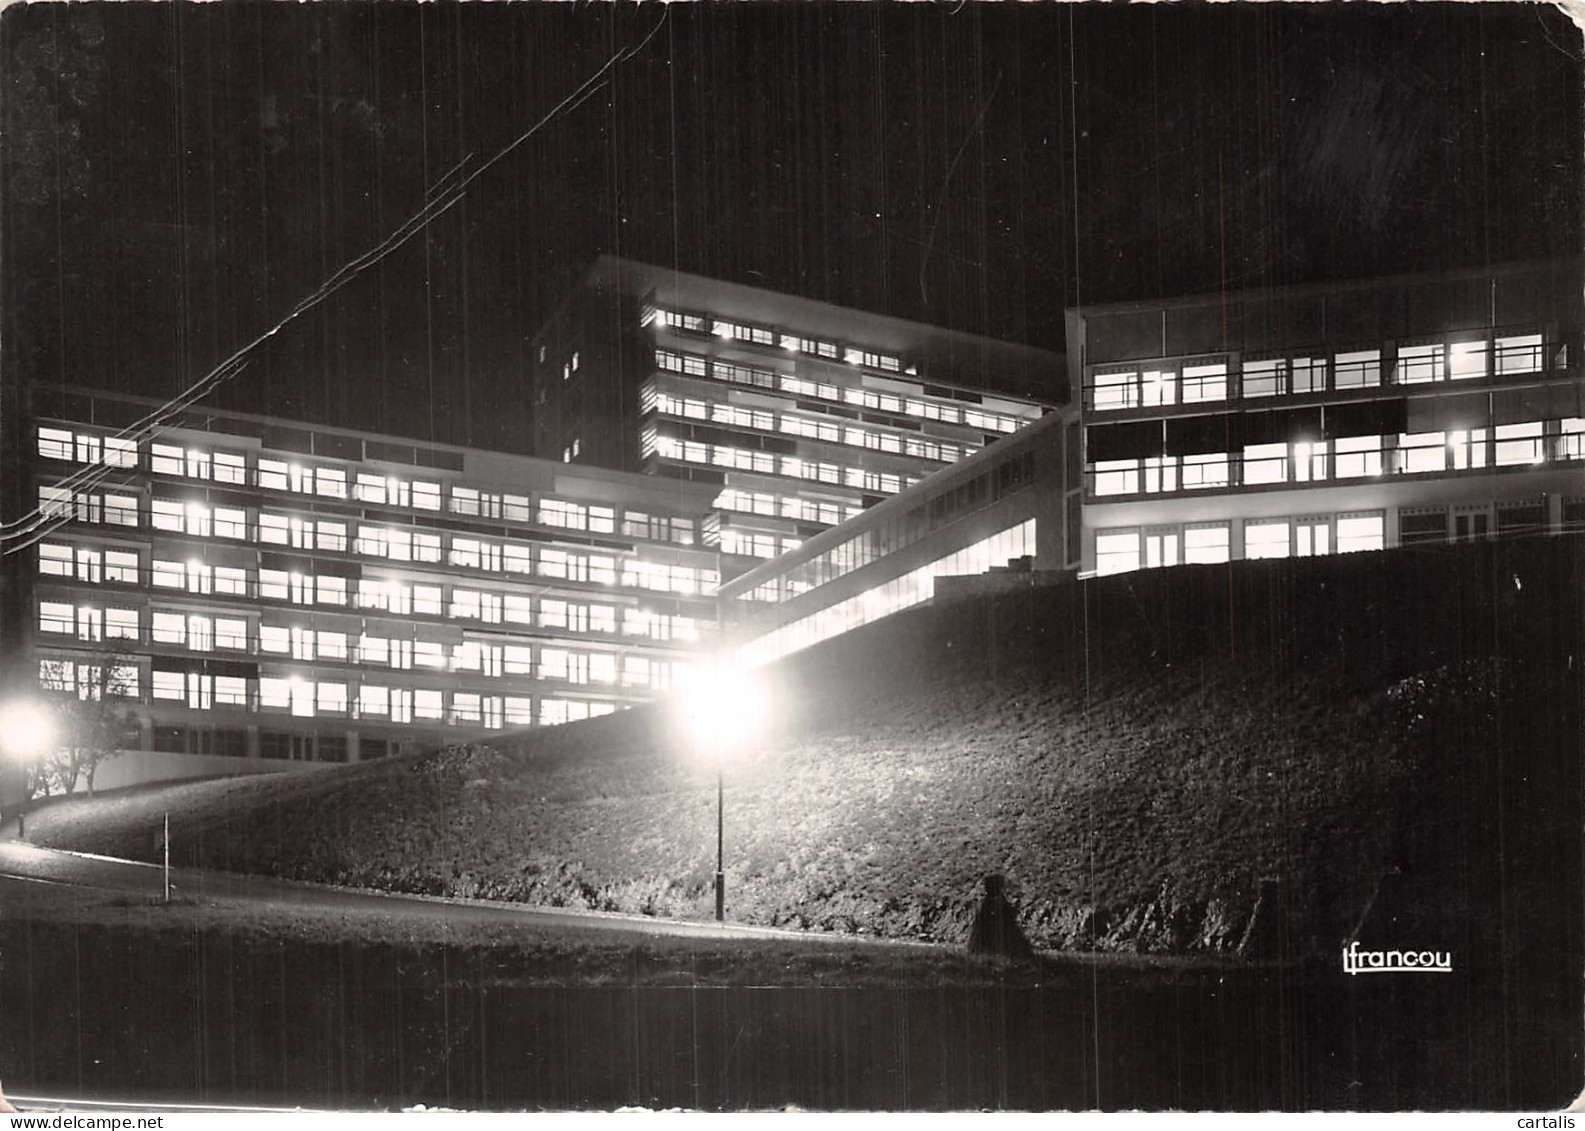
(1312, 537)
(426, 599)
(552, 663)
(428, 704)
(331, 590)
(1518, 443)
(121, 624)
(332, 698)
(1518, 354)
(1202, 471)
(1202, 383)
(90, 624)
(1266, 463)
(1265, 378)
(230, 467)
(1360, 532)
(271, 474)
(1114, 390)
(426, 547)
(169, 575)
(1418, 364)
(331, 482)
(466, 707)
(332, 536)
(331, 645)
(1358, 369)
(275, 638)
(1355, 456)
(167, 514)
(274, 693)
(1467, 360)
(1422, 451)
(369, 488)
(374, 701)
(1266, 538)
(121, 510)
(274, 529)
(55, 560)
(121, 565)
(55, 616)
(167, 459)
(169, 685)
(1163, 548)
(168, 628)
(1205, 543)
(231, 522)
(231, 633)
(200, 634)
(1116, 551)
(426, 495)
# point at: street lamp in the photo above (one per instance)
(723, 707)
(26, 730)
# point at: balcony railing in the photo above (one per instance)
(1338, 460)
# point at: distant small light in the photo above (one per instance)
(194, 565)
(1456, 439)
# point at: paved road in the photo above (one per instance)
(29, 862)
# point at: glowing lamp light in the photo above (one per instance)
(26, 730)
(723, 705)
(1456, 439)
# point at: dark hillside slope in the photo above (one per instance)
(1137, 754)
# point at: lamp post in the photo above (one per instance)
(720, 840)
(723, 706)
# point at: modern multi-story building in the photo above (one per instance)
(1314, 420)
(797, 413)
(1289, 422)
(261, 591)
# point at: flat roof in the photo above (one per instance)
(1004, 366)
(1344, 286)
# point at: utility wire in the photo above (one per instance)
(439, 199)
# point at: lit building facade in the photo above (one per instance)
(1331, 419)
(262, 592)
(799, 415)
(1315, 420)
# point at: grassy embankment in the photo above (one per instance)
(1135, 753)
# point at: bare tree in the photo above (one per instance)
(91, 702)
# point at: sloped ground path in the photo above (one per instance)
(22, 861)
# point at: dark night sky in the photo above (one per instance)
(177, 177)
